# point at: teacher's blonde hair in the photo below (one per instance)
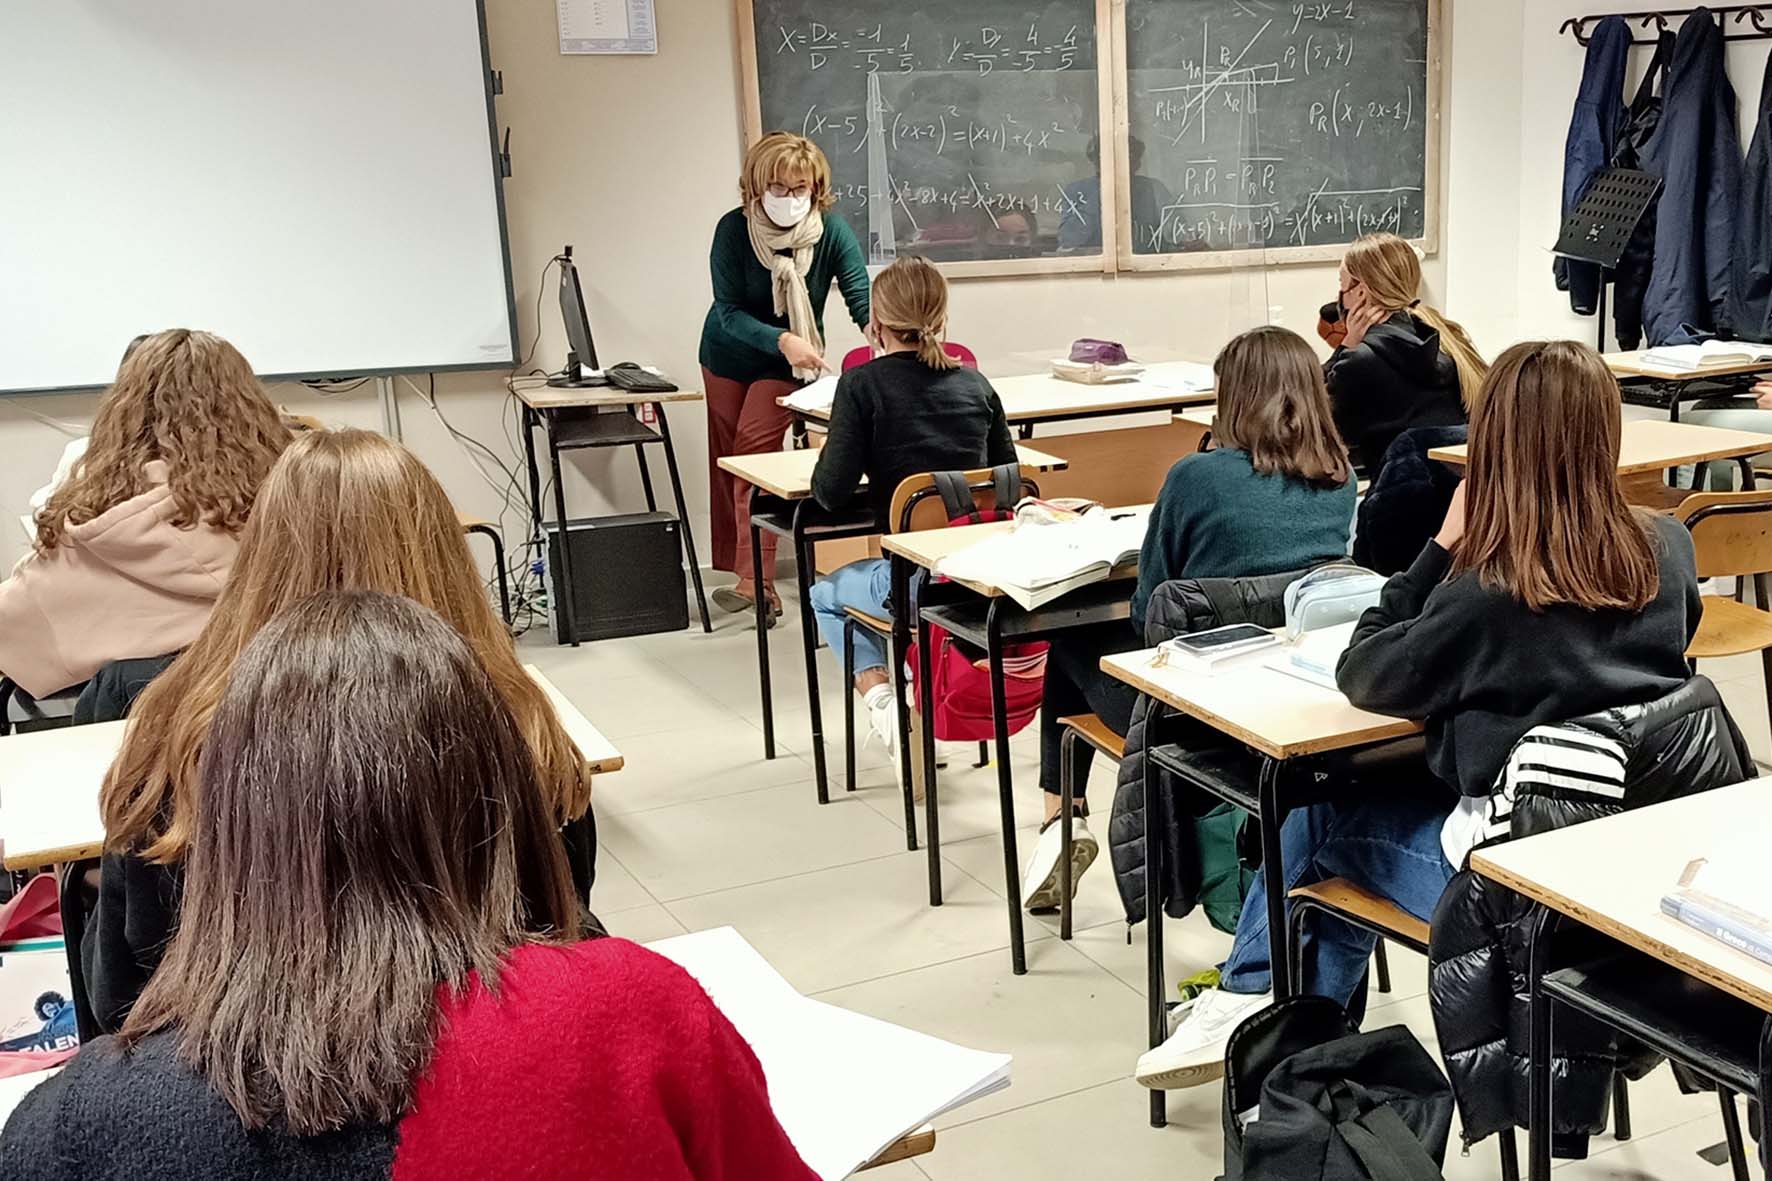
(781, 155)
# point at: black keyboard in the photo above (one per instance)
(636, 380)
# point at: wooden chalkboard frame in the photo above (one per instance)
(1429, 242)
(1116, 177)
(1108, 87)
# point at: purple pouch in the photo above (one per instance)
(1089, 351)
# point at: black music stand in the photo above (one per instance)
(1599, 229)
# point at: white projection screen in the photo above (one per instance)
(315, 180)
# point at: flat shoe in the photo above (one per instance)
(731, 601)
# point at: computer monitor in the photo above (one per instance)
(578, 329)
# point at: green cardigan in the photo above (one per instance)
(740, 338)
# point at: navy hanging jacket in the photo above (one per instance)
(1697, 153)
(1630, 280)
(1751, 289)
(1593, 138)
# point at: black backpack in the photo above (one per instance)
(1334, 1104)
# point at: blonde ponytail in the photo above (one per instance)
(910, 300)
(1457, 344)
(1391, 270)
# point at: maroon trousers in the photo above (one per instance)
(743, 419)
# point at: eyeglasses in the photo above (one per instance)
(803, 189)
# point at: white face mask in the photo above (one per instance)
(787, 212)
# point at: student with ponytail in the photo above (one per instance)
(910, 410)
(1401, 364)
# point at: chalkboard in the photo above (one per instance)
(1286, 126)
(969, 133)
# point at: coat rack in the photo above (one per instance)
(1758, 16)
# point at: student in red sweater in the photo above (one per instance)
(380, 971)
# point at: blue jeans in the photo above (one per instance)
(1389, 845)
(864, 585)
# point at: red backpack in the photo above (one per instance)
(961, 673)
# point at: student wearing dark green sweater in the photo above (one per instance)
(772, 263)
(1276, 495)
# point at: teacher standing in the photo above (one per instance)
(773, 261)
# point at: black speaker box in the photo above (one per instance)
(627, 576)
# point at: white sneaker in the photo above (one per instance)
(1040, 886)
(1194, 1053)
(883, 718)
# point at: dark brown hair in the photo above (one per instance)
(190, 399)
(369, 828)
(1272, 403)
(1545, 520)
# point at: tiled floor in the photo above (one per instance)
(699, 831)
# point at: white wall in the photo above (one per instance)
(633, 159)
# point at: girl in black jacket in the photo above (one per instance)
(1400, 364)
(1544, 597)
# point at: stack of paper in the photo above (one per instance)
(844, 1086)
(1314, 655)
(1710, 354)
(1036, 563)
(818, 397)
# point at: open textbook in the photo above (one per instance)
(1712, 354)
(1035, 563)
(1728, 896)
(815, 398)
(843, 1085)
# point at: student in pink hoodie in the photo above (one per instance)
(134, 547)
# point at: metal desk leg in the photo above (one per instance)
(664, 434)
(803, 563)
(1018, 954)
(1273, 874)
(1156, 1011)
(1538, 1143)
(563, 575)
(529, 424)
(1747, 474)
(926, 706)
(645, 477)
(900, 609)
(761, 606)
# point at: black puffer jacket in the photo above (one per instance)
(1179, 608)
(1398, 377)
(1407, 503)
(1679, 745)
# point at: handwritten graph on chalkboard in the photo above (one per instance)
(1279, 125)
(1000, 136)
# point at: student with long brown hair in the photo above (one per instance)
(1544, 597)
(1401, 363)
(912, 409)
(383, 975)
(133, 548)
(342, 510)
(1276, 494)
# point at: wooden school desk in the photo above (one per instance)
(1670, 986)
(1648, 448)
(50, 780)
(1646, 383)
(1284, 721)
(980, 614)
(1036, 398)
(600, 416)
(782, 504)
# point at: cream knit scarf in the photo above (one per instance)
(787, 256)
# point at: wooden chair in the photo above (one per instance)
(1361, 908)
(1732, 533)
(487, 530)
(916, 506)
(1091, 729)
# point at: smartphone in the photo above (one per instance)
(1220, 638)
